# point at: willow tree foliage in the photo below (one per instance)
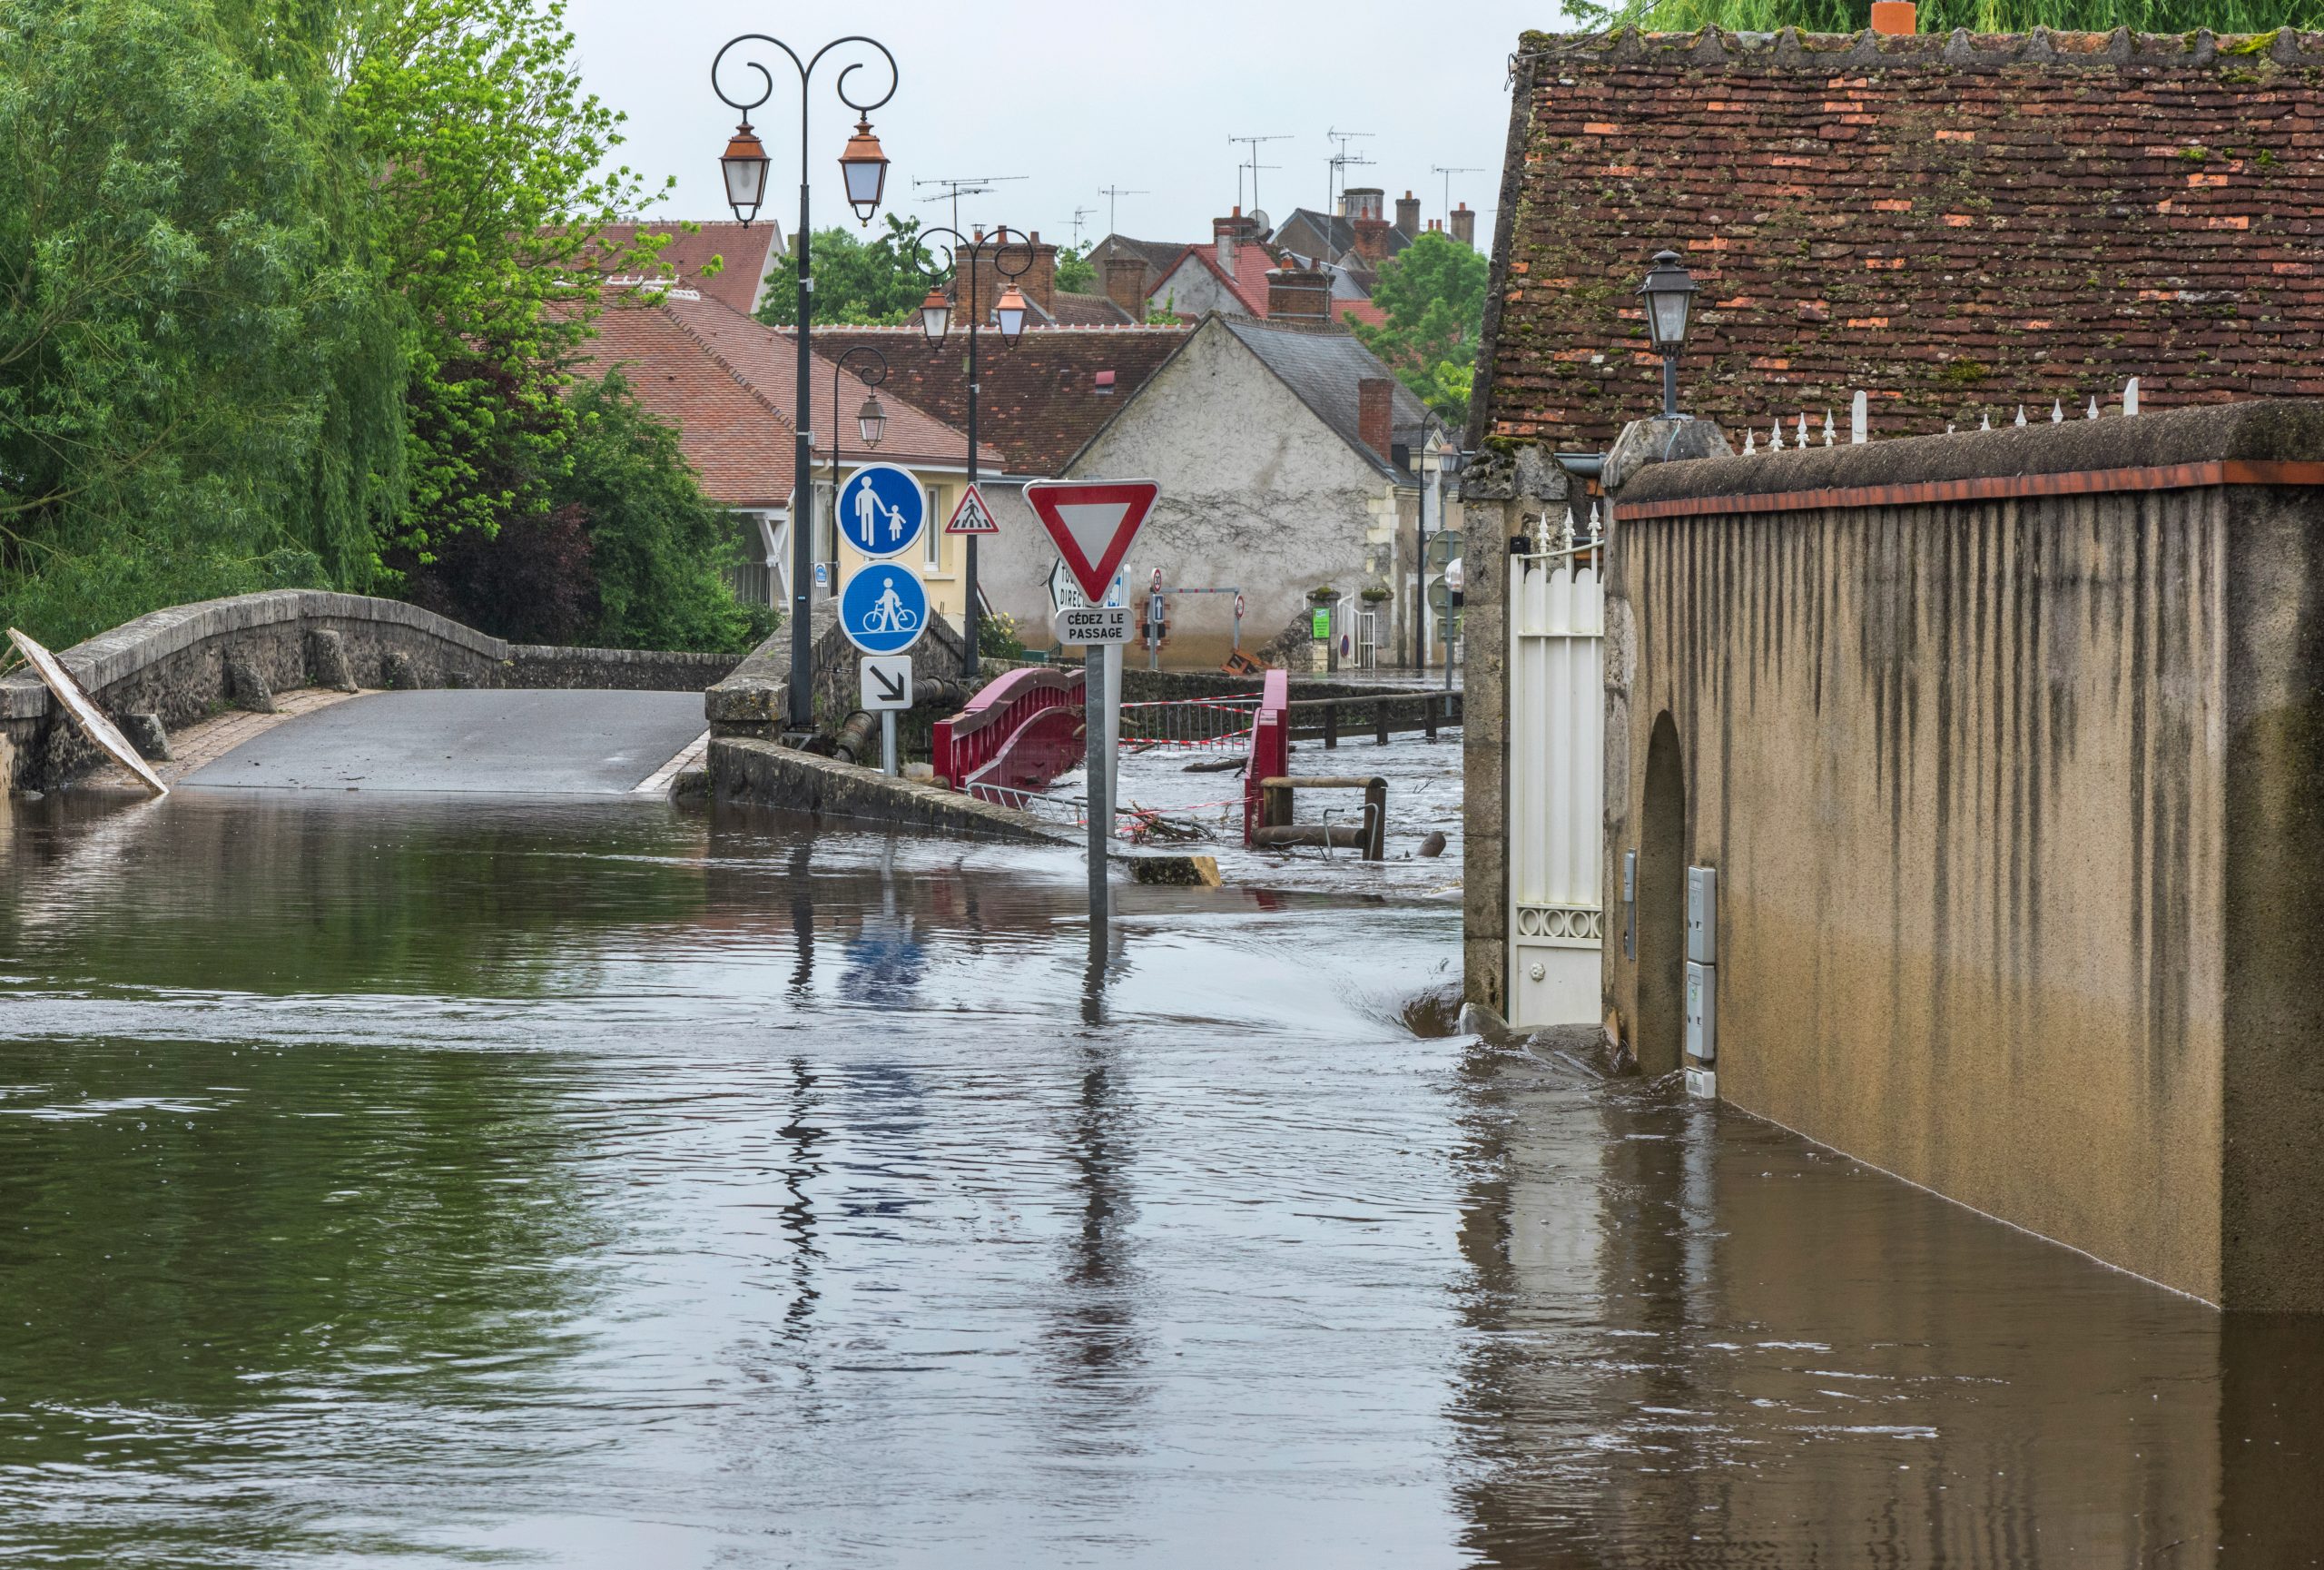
(1944, 16)
(201, 379)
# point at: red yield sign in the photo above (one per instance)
(1093, 523)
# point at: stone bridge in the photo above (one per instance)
(310, 690)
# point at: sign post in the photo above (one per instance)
(883, 611)
(1092, 524)
(885, 688)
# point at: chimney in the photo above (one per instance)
(1126, 284)
(1039, 281)
(1408, 214)
(1464, 225)
(1895, 17)
(1227, 233)
(1298, 294)
(1366, 202)
(1374, 413)
(1372, 240)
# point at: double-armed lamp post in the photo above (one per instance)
(1003, 245)
(865, 168)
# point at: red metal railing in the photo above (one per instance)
(1270, 746)
(1018, 733)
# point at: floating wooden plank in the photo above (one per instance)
(68, 692)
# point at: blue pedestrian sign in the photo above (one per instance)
(882, 511)
(883, 609)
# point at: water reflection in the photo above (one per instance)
(423, 1182)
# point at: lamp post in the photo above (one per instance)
(865, 169)
(1669, 295)
(1431, 470)
(935, 320)
(870, 420)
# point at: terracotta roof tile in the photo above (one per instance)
(1040, 400)
(744, 254)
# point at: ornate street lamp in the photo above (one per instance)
(870, 420)
(744, 166)
(1669, 295)
(1013, 255)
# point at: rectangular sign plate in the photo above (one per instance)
(1091, 624)
(884, 682)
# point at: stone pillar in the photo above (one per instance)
(1499, 492)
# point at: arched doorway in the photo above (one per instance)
(1658, 1033)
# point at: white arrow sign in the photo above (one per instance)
(885, 682)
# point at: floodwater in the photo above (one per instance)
(448, 1182)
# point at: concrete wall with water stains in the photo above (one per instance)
(2011, 800)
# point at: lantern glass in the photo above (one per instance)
(1010, 311)
(1669, 291)
(936, 316)
(872, 421)
(743, 164)
(865, 167)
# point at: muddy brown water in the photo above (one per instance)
(447, 1182)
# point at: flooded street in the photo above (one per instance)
(453, 1181)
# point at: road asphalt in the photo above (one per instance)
(510, 743)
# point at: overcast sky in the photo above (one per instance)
(1079, 97)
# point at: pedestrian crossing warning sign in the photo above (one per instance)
(972, 515)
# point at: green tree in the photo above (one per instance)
(1944, 16)
(200, 375)
(490, 194)
(1433, 294)
(873, 283)
(1076, 274)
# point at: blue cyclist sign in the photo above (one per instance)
(883, 609)
(882, 511)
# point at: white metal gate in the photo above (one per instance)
(1557, 730)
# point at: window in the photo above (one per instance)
(933, 541)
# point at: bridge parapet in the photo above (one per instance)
(174, 663)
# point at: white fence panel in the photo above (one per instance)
(1557, 727)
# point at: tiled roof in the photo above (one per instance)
(1040, 401)
(1323, 229)
(728, 383)
(1249, 279)
(743, 255)
(1069, 310)
(1323, 367)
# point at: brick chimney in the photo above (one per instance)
(1039, 281)
(1408, 214)
(1464, 225)
(1227, 233)
(1375, 413)
(1126, 284)
(1364, 202)
(1298, 294)
(1372, 240)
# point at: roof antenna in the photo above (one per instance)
(1113, 194)
(1255, 166)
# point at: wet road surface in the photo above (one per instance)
(466, 740)
(423, 1181)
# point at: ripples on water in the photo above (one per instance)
(437, 1183)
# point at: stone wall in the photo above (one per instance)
(1957, 225)
(2004, 747)
(172, 663)
(768, 773)
(754, 699)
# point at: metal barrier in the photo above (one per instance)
(1270, 746)
(1188, 722)
(1276, 829)
(1019, 733)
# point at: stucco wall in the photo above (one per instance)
(2008, 799)
(1256, 492)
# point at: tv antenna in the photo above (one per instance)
(1255, 166)
(966, 185)
(1112, 194)
(1449, 171)
(1336, 167)
(1079, 215)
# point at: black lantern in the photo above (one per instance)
(871, 420)
(866, 170)
(1669, 295)
(744, 165)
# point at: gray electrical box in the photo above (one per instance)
(1702, 1011)
(1702, 915)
